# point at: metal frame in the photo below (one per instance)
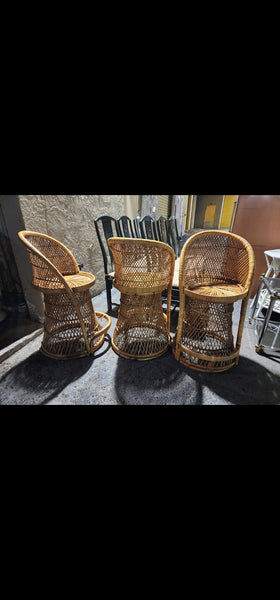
(271, 286)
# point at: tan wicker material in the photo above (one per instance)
(216, 270)
(72, 328)
(176, 274)
(143, 270)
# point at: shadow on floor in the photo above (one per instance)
(39, 379)
(15, 327)
(165, 381)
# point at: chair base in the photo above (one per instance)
(205, 364)
(58, 350)
(206, 342)
(141, 329)
(63, 335)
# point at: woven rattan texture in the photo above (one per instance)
(63, 334)
(143, 270)
(141, 330)
(71, 326)
(216, 270)
(215, 258)
(141, 265)
(61, 259)
(207, 329)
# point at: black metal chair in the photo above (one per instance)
(125, 227)
(136, 223)
(148, 228)
(163, 236)
(175, 239)
(106, 228)
(162, 230)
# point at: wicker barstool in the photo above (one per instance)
(71, 327)
(216, 270)
(143, 270)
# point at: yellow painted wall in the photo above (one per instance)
(210, 214)
(227, 212)
(131, 206)
(188, 212)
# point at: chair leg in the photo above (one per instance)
(109, 285)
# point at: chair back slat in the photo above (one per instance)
(125, 227)
(106, 228)
(174, 236)
(162, 230)
(148, 228)
(136, 223)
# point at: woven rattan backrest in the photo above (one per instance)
(141, 264)
(216, 256)
(50, 260)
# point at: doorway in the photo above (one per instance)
(11, 293)
(15, 322)
(164, 206)
(208, 211)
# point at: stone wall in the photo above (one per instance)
(70, 219)
(149, 206)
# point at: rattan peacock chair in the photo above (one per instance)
(216, 270)
(143, 270)
(71, 326)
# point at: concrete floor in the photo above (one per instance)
(29, 378)
(14, 327)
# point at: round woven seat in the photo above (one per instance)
(218, 292)
(142, 283)
(72, 328)
(81, 281)
(143, 270)
(216, 270)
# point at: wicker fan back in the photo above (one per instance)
(143, 270)
(216, 270)
(142, 266)
(49, 259)
(71, 325)
(216, 257)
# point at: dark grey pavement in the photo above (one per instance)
(29, 378)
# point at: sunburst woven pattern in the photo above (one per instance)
(143, 270)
